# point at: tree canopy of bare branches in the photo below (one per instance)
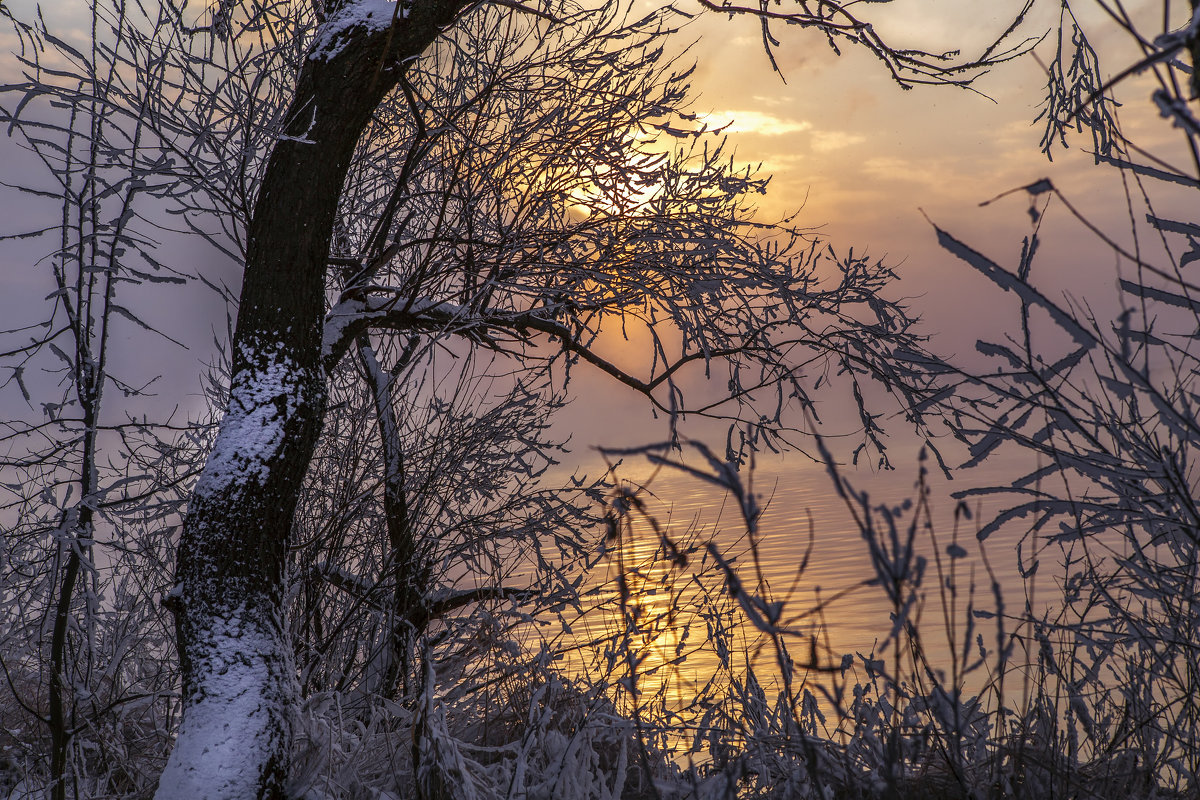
(398, 180)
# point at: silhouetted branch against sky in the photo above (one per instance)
(841, 25)
(445, 179)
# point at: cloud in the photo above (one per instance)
(762, 123)
(755, 122)
(767, 100)
(935, 173)
(777, 162)
(827, 141)
(894, 168)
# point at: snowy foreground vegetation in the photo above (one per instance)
(348, 574)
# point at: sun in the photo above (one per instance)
(624, 182)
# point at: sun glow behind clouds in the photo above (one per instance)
(612, 192)
(798, 132)
(623, 183)
(757, 122)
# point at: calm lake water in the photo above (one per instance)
(812, 557)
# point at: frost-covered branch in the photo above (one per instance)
(840, 23)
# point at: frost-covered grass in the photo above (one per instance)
(1029, 699)
(1009, 718)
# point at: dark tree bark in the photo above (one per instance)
(1194, 49)
(238, 681)
(408, 570)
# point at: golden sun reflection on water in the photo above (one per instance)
(672, 634)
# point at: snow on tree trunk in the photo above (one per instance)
(239, 684)
(238, 680)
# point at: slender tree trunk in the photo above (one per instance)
(238, 679)
(77, 524)
(402, 560)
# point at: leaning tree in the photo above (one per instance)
(342, 153)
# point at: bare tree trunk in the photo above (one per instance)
(77, 523)
(402, 560)
(238, 680)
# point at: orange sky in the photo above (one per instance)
(865, 159)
